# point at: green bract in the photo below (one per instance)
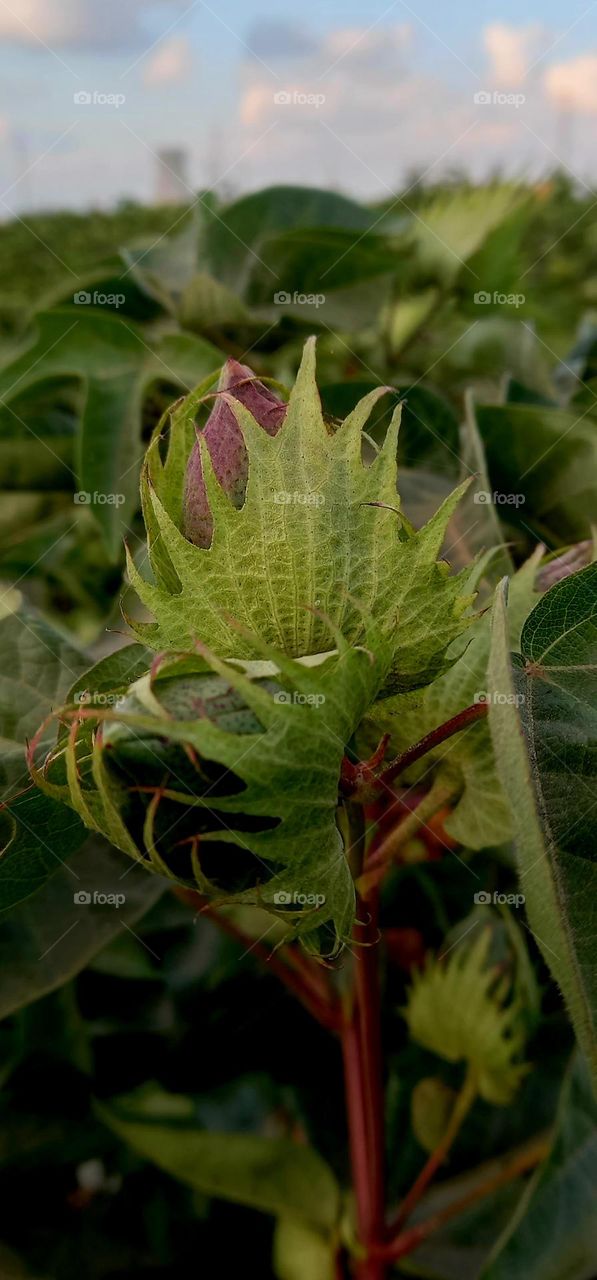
(460, 1010)
(225, 779)
(319, 537)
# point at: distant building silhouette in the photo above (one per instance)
(172, 186)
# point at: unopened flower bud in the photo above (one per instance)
(224, 440)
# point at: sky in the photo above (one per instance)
(356, 96)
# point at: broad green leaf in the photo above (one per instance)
(36, 834)
(544, 729)
(37, 837)
(164, 267)
(231, 236)
(207, 306)
(111, 675)
(553, 1231)
(50, 938)
(323, 277)
(549, 460)
(115, 365)
(454, 225)
(271, 1174)
(458, 1250)
(37, 668)
(404, 317)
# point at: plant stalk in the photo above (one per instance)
(438, 795)
(460, 1110)
(363, 1074)
(456, 724)
(407, 1241)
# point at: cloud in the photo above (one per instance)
(170, 63)
(572, 85)
(85, 25)
(361, 112)
(279, 40)
(352, 113)
(360, 75)
(377, 48)
(511, 51)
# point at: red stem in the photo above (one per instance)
(285, 964)
(460, 1110)
(444, 731)
(520, 1163)
(368, 1010)
(361, 1046)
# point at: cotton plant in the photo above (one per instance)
(277, 739)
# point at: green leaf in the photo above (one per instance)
(549, 461)
(231, 237)
(271, 1174)
(112, 675)
(478, 514)
(37, 668)
(115, 364)
(454, 225)
(323, 277)
(50, 938)
(37, 837)
(207, 306)
(301, 1252)
(553, 1232)
(544, 729)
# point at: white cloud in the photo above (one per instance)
(384, 117)
(91, 25)
(374, 47)
(573, 85)
(355, 115)
(511, 51)
(170, 63)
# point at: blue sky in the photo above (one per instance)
(369, 93)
